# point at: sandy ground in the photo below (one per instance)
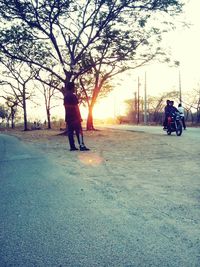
(152, 178)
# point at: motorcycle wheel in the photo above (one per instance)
(179, 130)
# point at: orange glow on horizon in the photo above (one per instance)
(109, 107)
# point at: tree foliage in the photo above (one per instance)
(65, 33)
(71, 38)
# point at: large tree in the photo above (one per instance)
(17, 76)
(48, 89)
(69, 38)
(93, 86)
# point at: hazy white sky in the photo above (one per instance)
(184, 43)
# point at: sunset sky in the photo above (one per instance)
(184, 43)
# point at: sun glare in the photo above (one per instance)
(109, 107)
(90, 159)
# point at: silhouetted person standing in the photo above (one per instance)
(73, 118)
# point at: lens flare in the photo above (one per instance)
(91, 159)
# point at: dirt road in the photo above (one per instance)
(133, 200)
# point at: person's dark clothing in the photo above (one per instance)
(72, 113)
(167, 114)
(172, 110)
(183, 122)
(75, 127)
(73, 120)
(169, 110)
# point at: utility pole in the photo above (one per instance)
(115, 107)
(145, 99)
(135, 107)
(138, 103)
(180, 89)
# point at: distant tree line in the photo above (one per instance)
(156, 104)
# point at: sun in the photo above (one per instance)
(109, 107)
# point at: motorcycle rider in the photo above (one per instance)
(181, 111)
(169, 110)
(172, 109)
(167, 113)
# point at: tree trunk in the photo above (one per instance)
(48, 119)
(25, 114)
(192, 117)
(12, 118)
(7, 122)
(90, 125)
(198, 116)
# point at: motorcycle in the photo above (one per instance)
(174, 124)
